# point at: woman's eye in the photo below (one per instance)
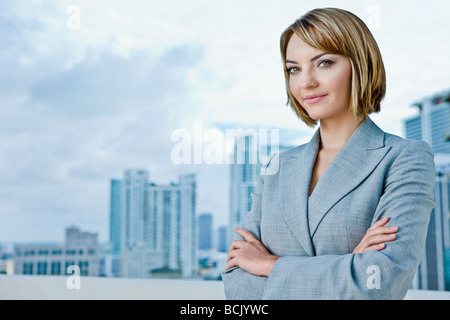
(292, 70)
(325, 63)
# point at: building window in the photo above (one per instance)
(42, 267)
(84, 265)
(56, 267)
(28, 268)
(70, 252)
(68, 263)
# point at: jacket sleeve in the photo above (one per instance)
(387, 274)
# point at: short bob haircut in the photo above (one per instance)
(338, 31)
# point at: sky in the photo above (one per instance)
(89, 89)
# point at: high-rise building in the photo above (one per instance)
(115, 215)
(133, 208)
(112, 257)
(188, 226)
(172, 227)
(205, 235)
(434, 271)
(163, 216)
(158, 229)
(432, 125)
(222, 239)
(244, 172)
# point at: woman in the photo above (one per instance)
(344, 216)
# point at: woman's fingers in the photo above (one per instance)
(379, 223)
(381, 230)
(376, 237)
(379, 239)
(236, 244)
(379, 235)
(230, 264)
(247, 235)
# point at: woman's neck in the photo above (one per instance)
(335, 133)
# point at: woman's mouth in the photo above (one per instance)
(314, 98)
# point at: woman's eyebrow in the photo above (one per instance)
(312, 59)
(318, 56)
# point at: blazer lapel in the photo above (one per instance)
(355, 161)
(295, 174)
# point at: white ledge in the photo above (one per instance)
(31, 287)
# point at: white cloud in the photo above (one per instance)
(77, 107)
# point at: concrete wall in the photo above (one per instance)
(57, 287)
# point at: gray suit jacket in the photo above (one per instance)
(374, 175)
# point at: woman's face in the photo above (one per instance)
(321, 82)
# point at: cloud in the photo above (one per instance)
(77, 107)
(110, 84)
(109, 105)
(64, 135)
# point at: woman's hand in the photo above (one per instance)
(250, 254)
(376, 237)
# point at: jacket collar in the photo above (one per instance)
(355, 161)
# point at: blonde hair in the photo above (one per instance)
(338, 31)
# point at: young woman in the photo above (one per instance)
(344, 216)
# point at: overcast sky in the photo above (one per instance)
(83, 100)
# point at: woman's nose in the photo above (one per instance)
(307, 80)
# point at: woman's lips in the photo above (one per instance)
(311, 99)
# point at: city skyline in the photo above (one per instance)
(433, 126)
(84, 99)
